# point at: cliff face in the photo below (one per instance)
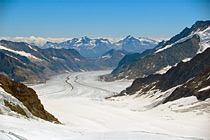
(192, 77)
(28, 97)
(109, 59)
(199, 86)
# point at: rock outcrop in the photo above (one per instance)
(28, 97)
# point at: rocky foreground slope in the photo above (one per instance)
(15, 97)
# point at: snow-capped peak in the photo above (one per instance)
(129, 37)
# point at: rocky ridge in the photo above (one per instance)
(186, 79)
(184, 45)
(25, 102)
(23, 62)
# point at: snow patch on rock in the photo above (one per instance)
(22, 53)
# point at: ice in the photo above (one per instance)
(186, 60)
(206, 88)
(77, 100)
(164, 70)
(205, 40)
(32, 48)
(106, 56)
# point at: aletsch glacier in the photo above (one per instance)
(77, 99)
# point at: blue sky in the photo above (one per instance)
(99, 18)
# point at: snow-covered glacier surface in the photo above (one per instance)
(77, 100)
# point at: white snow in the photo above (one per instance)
(186, 60)
(203, 89)
(6, 110)
(32, 48)
(148, 40)
(104, 41)
(76, 59)
(106, 56)
(205, 40)
(22, 53)
(55, 58)
(204, 43)
(163, 70)
(77, 100)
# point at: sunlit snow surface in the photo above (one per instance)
(77, 100)
(204, 40)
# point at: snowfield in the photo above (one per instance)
(77, 100)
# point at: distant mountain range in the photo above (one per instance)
(182, 47)
(96, 47)
(88, 47)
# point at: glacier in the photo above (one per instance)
(77, 99)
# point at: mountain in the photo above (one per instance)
(23, 62)
(85, 46)
(187, 79)
(96, 47)
(166, 54)
(109, 59)
(16, 98)
(132, 44)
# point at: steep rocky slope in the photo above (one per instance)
(23, 62)
(27, 98)
(185, 45)
(109, 60)
(186, 79)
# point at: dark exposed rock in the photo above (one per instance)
(15, 108)
(152, 63)
(28, 97)
(193, 88)
(15, 69)
(192, 76)
(109, 59)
